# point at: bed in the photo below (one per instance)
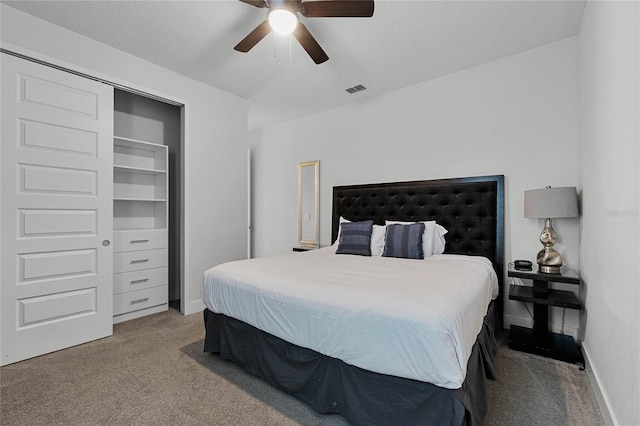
(376, 354)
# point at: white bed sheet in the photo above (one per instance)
(416, 319)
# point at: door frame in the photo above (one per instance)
(187, 306)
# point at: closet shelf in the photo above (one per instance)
(129, 169)
(151, 200)
(139, 228)
(132, 155)
(135, 143)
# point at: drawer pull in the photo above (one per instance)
(139, 261)
(133, 302)
(139, 241)
(144, 280)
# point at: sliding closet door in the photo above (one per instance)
(56, 210)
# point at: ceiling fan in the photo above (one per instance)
(283, 18)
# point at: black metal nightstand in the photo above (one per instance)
(303, 248)
(540, 340)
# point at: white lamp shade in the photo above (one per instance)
(551, 203)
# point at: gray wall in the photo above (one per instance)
(517, 116)
(610, 187)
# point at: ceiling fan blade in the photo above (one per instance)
(306, 40)
(253, 37)
(256, 3)
(337, 9)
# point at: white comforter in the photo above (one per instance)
(416, 319)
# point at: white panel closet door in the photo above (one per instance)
(56, 210)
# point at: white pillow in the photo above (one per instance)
(342, 220)
(433, 238)
(438, 239)
(377, 237)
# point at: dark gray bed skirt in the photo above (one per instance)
(329, 385)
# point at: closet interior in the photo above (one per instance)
(146, 205)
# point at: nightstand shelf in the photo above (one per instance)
(540, 340)
(568, 276)
(561, 298)
(552, 345)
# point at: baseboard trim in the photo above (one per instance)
(141, 313)
(601, 398)
(193, 307)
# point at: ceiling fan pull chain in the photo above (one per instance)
(290, 57)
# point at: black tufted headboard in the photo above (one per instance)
(471, 209)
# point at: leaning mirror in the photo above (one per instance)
(309, 204)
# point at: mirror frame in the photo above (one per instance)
(316, 242)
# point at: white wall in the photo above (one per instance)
(517, 116)
(609, 181)
(217, 132)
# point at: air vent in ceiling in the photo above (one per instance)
(355, 89)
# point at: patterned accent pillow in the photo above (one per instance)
(404, 241)
(355, 238)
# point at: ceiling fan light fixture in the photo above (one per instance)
(282, 21)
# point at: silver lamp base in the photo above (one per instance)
(548, 259)
(546, 269)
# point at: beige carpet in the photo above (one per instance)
(153, 371)
(533, 390)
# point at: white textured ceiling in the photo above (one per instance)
(406, 42)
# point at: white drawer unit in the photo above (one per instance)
(144, 239)
(140, 238)
(138, 280)
(143, 259)
(140, 299)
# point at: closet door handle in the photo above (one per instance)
(133, 302)
(144, 280)
(139, 241)
(140, 261)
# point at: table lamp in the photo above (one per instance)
(550, 203)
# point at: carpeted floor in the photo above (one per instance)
(533, 390)
(152, 371)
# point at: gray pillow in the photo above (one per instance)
(404, 241)
(355, 238)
